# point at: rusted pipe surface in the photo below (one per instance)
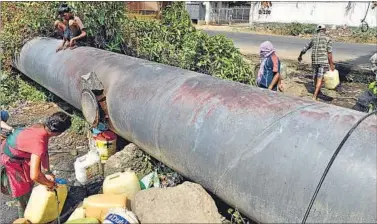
(258, 150)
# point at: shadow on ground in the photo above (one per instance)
(353, 70)
(310, 88)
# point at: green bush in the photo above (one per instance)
(174, 41)
(24, 20)
(21, 22)
(364, 37)
(103, 22)
(79, 125)
(296, 29)
(14, 88)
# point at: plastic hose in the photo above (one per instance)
(331, 162)
(57, 200)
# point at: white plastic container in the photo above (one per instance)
(331, 79)
(42, 206)
(125, 183)
(120, 216)
(88, 167)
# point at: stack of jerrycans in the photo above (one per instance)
(102, 145)
(103, 141)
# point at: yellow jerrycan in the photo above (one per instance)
(331, 79)
(97, 206)
(105, 143)
(125, 183)
(83, 221)
(22, 221)
(79, 213)
(42, 206)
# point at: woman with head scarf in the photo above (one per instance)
(269, 72)
(24, 158)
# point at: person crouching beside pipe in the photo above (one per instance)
(269, 71)
(24, 155)
(72, 27)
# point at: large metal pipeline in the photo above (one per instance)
(258, 150)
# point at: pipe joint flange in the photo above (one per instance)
(91, 95)
(90, 107)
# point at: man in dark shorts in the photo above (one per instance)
(72, 27)
(322, 58)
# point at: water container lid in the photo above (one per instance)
(96, 131)
(60, 181)
(102, 127)
(106, 136)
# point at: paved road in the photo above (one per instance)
(290, 47)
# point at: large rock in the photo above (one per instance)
(130, 158)
(186, 203)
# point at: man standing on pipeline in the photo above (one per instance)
(72, 27)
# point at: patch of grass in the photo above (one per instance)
(31, 92)
(296, 29)
(79, 125)
(236, 217)
(14, 88)
(290, 29)
(370, 36)
(350, 34)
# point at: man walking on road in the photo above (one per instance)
(322, 58)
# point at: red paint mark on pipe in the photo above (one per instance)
(342, 118)
(198, 92)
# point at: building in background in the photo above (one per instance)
(146, 9)
(218, 12)
(143, 8)
(197, 11)
(329, 13)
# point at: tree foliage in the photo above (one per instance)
(22, 21)
(103, 22)
(172, 40)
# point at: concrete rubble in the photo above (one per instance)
(130, 158)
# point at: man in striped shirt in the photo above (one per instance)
(322, 59)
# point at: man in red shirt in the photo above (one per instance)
(24, 155)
